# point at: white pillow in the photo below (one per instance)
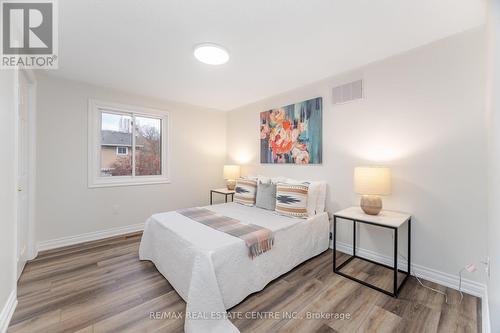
(266, 179)
(321, 203)
(249, 177)
(276, 180)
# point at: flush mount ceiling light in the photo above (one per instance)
(211, 54)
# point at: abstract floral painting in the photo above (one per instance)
(292, 134)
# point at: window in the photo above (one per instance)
(127, 145)
(121, 150)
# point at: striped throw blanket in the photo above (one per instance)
(257, 239)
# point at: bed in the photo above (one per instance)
(212, 270)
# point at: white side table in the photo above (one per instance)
(386, 219)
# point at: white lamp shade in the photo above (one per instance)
(231, 171)
(372, 180)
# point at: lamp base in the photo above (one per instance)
(231, 184)
(371, 204)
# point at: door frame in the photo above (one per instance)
(31, 248)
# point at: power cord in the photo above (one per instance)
(430, 288)
(469, 268)
(460, 285)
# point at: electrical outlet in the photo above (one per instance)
(487, 266)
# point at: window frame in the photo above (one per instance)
(95, 179)
(118, 151)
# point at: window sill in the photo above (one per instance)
(120, 182)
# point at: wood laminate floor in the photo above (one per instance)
(103, 287)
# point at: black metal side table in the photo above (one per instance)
(224, 191)
(386, 219)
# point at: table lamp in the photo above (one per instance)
(371, 183)
(231, 173)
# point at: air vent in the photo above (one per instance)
(348, 92)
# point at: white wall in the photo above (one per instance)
(67, 207)
(8, 194)
(493, 99)
(424, 117)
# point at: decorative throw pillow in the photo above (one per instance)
(245, 191)
(291, 199)
(312, 194)
(266, 196)
(316, 196)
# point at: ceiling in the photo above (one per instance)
(146, 47)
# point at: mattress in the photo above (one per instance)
(212, 271)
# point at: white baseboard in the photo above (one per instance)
(8, 311)
(87, 237)
(445, 279)
(485, 312)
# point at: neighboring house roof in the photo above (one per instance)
(119, 139)
(114, 138)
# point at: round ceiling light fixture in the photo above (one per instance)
(211, 54)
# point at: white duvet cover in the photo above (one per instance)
(212, 271)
